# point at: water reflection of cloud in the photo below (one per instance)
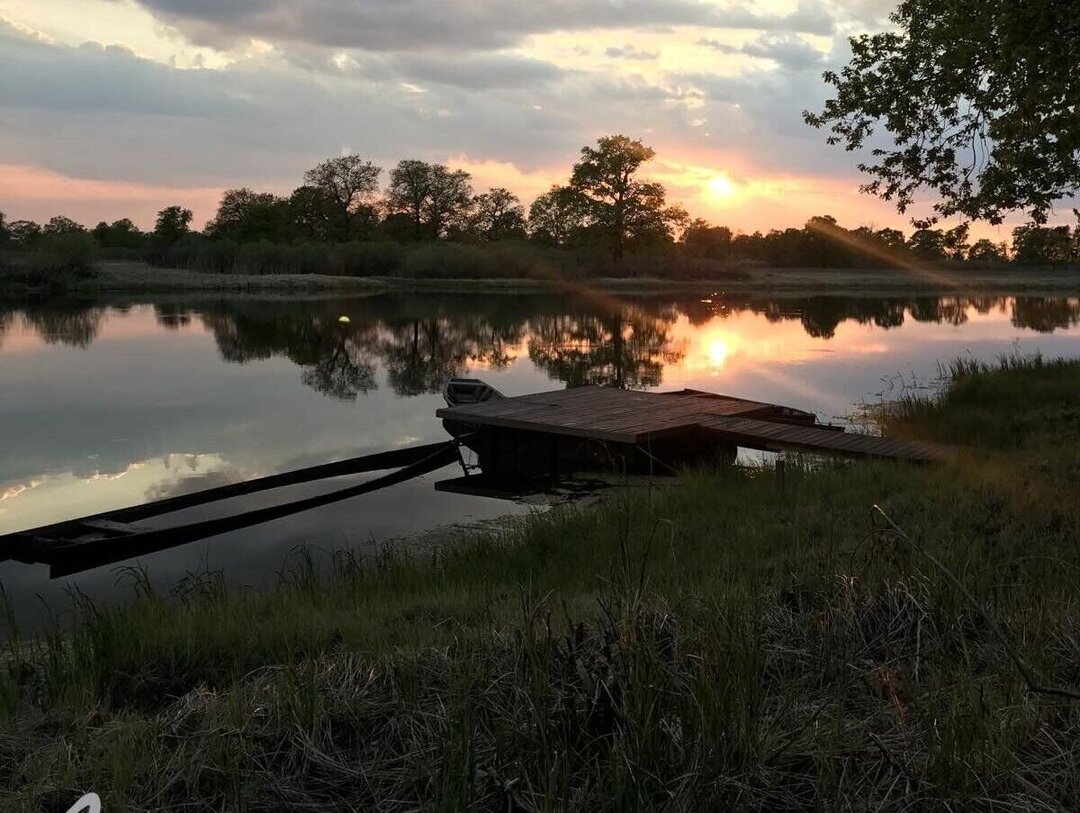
(56, 497)
(194, 482)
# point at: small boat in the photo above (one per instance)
(465, 391)
(462, 391)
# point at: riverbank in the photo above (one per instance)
(129, 277)
(752, 639)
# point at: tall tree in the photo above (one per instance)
(433, 196)
(62, 225)
(24, 233)
(172, 223)
(928, 244)
(448, 201)
(244, 215)
(700, 239)
(981, 99)
(623, 206)
(5, 233)
(497, 215)
(1042, 245)
(119, 234)
(408, 190)
(955, 242)
(314, 215)
(348, 180)
(986, 251)
(558, 215)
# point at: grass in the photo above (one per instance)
(753, 639)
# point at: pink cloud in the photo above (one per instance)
(35, 193)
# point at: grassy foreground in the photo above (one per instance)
(754, 639)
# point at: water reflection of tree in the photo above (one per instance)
(344, 373)
(172, 316)
(935, 309)
(7, 318)
(424, 340)
(626, 349)
(1045, 314)
(335, 359)
(421, 355)
(74, 325)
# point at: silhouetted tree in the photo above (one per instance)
(625, 208)
(173, 222)
(62, 225)
(703, 240)
(955, 242)
(928, 244)
(24, 233)
(119, 234)
(891, 239)
(5, 234)
(246, 216)
(987, 252)
(1043, 245)
(980, 103)
(352, 184)
(433, 196)
(315, 216)
(558, 215)
(497, 215)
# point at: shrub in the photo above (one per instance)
(357, 259)
(262, 257)
(182, 254)
(215, 256)
(66, 255)
(447, 261)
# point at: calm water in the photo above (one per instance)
(111, 403)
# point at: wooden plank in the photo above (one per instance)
(621, 416)
(757, 434)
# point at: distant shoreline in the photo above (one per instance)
(136, 277)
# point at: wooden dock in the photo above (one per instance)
(558, 430)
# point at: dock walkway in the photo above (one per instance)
(640, 418)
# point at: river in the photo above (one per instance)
(113, 402)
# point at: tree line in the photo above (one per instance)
(341, 219)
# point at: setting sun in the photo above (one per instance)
(718, 351)
(721, 187)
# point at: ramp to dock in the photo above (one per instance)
(636, 418)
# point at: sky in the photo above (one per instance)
(117, 108)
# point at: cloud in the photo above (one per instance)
(808, 17)
(396, 25)
(138, 134)
(477, 72)
(629, 51)
(391, 25)
(788, 51)
(38, 74)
